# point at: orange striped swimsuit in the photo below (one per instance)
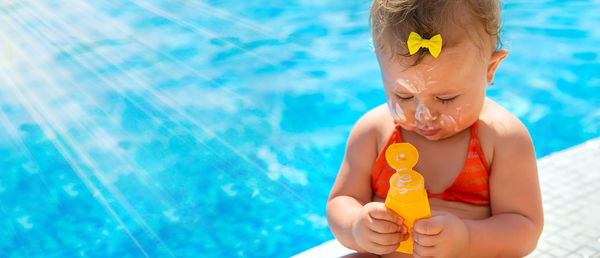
(470, 186)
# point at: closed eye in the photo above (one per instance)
(404, 98)
(446, 100)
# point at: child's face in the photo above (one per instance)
(440, 96)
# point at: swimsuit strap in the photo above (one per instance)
(470, 186)
(475, 146)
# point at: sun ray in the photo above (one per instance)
(84, 7)
(100, 131)
(54, 125)
(126, 29)
(169, 103)
(16, 138)
(63, 150)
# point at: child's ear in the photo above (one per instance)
(495, 59)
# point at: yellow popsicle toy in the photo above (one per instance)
(407, 196)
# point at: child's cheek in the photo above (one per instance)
(399, 114)
(453, 120)
(448, 123)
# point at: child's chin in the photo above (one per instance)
(442, 134)
(436, 137)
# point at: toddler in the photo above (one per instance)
(478, 161)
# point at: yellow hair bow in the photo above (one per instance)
(415, 42)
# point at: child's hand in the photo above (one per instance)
(378, 230)
(442, 235)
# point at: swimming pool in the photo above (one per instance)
(216, 128)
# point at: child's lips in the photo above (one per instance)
(428, 132)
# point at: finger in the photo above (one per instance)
(397, 218)
(384, 227)
(382, 213)
(386, 239)
(377, 248)
(429, 226)
(426, 240)
(404, 229)
(424, 251)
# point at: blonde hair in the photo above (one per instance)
(391, 21)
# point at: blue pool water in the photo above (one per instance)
(216, 128)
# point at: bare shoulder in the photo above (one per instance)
(365, 138)
(514, 184)
(499, 131)
(361, 151)
(375, 123)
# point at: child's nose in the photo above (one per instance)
(423, 114)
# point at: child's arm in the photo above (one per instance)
(517, 218)
(354, 220)
(515, 198)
